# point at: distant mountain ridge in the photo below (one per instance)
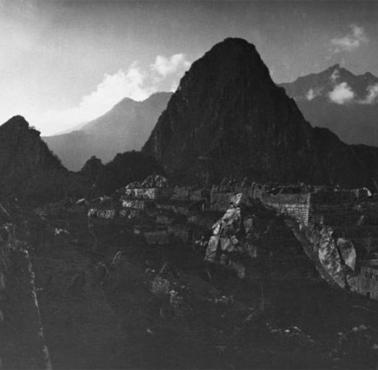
(125, 127)
(341, 101)
(228, 118)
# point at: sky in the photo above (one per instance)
(63, 62)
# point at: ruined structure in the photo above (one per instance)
(278, 239)
(297, 206)
(368, 279)
(336, 227)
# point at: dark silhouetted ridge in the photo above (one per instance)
(228, 118)
(27, 167)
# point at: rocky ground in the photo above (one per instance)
(110, 301)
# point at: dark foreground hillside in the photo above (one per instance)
(110, 299)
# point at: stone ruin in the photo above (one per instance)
(320, 218)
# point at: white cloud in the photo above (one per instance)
(135, 83)
(114, 87)
(335, 75)
(164, 66)
(372, 95)
(351, 41)
(341, 94)
(311, 94)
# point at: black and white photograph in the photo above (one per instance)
(188, 185)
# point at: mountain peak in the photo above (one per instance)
(346, 74)
(340, 100)
(334, 67)
(336, 73)
(369, 76)
(124, 103)
(27, 166)
(234, 41)
(327, 85)
(235, 60)
(237, 50)
(228, 110)
(18, 122)
(124, 127)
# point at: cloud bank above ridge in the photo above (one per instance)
(135, 82)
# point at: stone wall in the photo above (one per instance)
(133, 203)
(187, 193)
(147, 193)
(295, 205)
(220, 195)
(368, 281)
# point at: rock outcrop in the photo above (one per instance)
(229, 118)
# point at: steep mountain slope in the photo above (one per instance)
(228, 118)
(27, 166)
(29, 171)
(125, 127)
(341, 101)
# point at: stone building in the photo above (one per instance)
(297, 206)
(368, 279)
